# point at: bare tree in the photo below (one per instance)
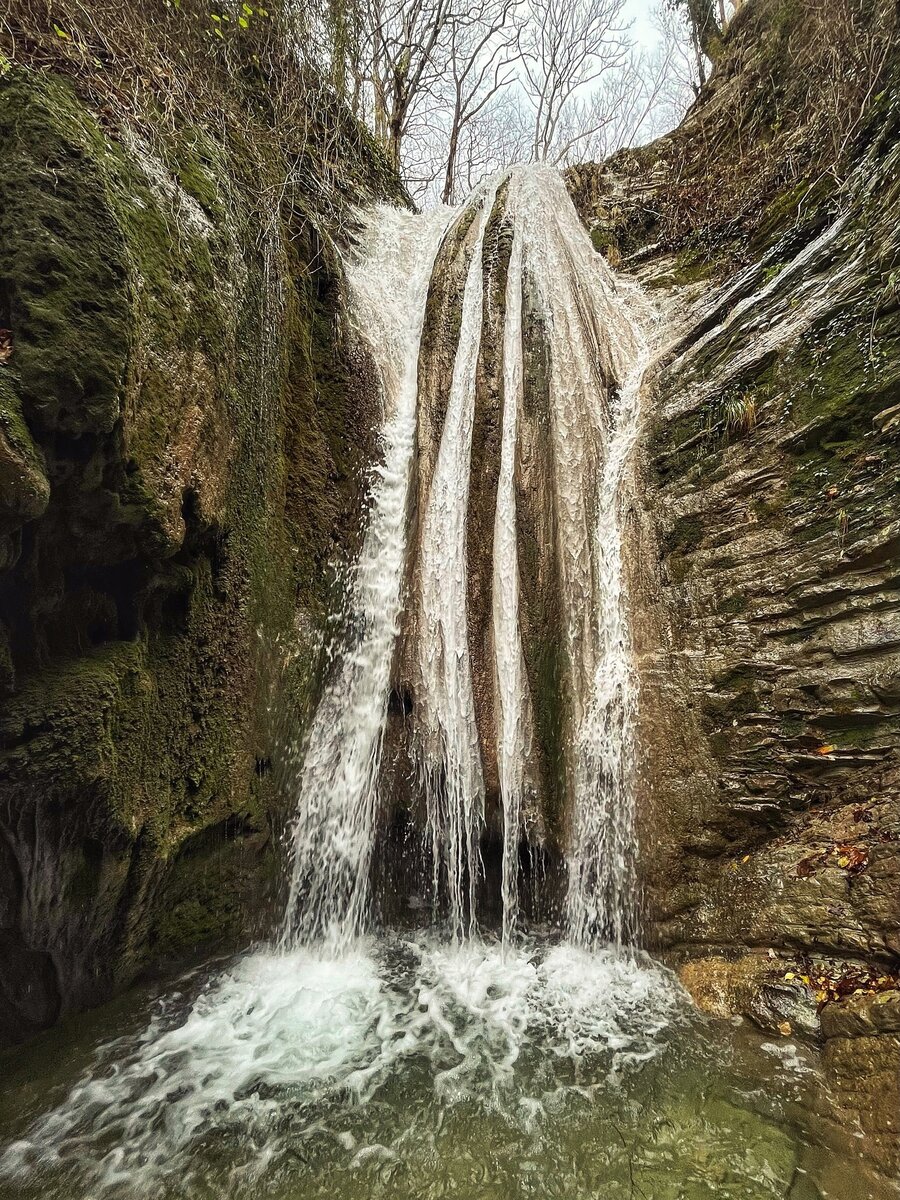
(707, 29)
(623, 108)
(479, 66)
(687, 66)
(458, 88)
(405, 38)
(566, 45)
(500, 134)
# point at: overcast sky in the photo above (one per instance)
(643, 29)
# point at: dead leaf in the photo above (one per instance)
(853, 859)
(826, 749)
(785, 1028)
(6, 346)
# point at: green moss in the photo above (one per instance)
(783, 212)
(24, 489)
(692, 266)
(62, 264)
(720, 711)
(605, 241)
(685, 535)
(792, 727)
(208, 918)
(200, 168)
(65, 727)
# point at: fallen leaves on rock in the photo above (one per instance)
(862, 981)
(851, 859)
(6, 346)
(830, 981)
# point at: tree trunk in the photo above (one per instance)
(450, 173)
(706, 27)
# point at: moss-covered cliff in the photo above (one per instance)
(184, 424)
(765, 553)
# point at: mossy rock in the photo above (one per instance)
(63, 277)
(24, 488)
(184, 433)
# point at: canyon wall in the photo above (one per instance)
(184, 427)
(765, 547)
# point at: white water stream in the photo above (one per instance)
(598, 355)
(454, 784)
(333, 831)
(514, 715)
(307, 1041)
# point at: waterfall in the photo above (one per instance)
(353, 1048)
(454, 785)
(513, 717)
(334, 828)
(598, 356)
(560, 297)
(602, 886)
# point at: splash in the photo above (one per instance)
(281, 1054)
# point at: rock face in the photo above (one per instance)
(183, 422)
(766, 546)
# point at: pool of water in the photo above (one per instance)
(407, 1068)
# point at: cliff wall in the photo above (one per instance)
(184, 427)
(766, 542)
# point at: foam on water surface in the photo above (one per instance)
(279, 1049)
(408, 1069)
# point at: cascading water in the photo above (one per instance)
(514, 717)
(333, 831)
(454, 786)
(352, 1053)
(597, 356)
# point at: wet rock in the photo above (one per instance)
(785, 1009)
(864, 1072)
(862, 1016)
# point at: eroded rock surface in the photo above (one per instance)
(766, 551)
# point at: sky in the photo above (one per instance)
(643, 30)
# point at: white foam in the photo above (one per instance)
(282, 1047)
